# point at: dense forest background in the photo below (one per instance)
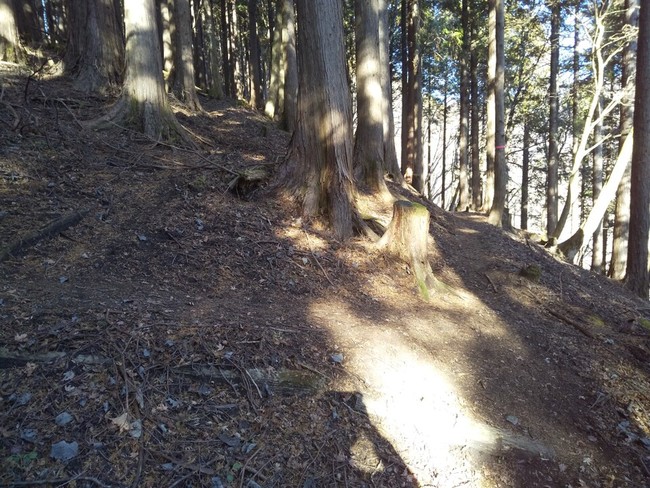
(523, 116)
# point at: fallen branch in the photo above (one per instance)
(50, 230)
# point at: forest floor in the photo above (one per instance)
(171, 332)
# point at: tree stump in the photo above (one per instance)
(406, 238)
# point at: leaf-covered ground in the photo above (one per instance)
(185, 334)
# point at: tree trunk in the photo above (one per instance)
(272, 108)
(474, 105)
(525, 163)
(412, 164)
(225, 49)
(183, 82)
(28, 21)
(200, 72)
(94, 54)
(573, 247)
(638, 278)
(254, 59)
(463, 144)
(290, 68)
(10, 48)
(166, 26)
(497, 71)
(318, 168)
(368, 142)
(445, 113)
(596, 187)
(143, 105)
(553, 152)
(391, 165)
(215, 86)
(235, 51)
(622, 215)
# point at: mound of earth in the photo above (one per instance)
(166, 322)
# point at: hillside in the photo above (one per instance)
(178, 333)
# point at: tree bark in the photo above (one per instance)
(272, 108)
(254, 60)
(183, 83)
(497, 74)
(94, 53)
(525, 163)
(290, 68)
(553, 153)
(215, 85)
(622, 215)
(463, 144)
(143, 105)
(407, 239)
(391, 165)
(166, 26)
(318, 168)
(225, 49)
(29, 21)
(412, 164)
(596, 187)
(368, 143)
(638, 278)
(10, 48)
(474, 115)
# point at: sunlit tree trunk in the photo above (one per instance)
(638, 278)
(143, 105)
(553, 152)
(622, 215)
(290, 68)
(496, 68)
(183, 83)
(318, 169)
(235, 50)
(596, 187)
(272, 107)
(368, 142)
(166, 26)
(391, 165)
(94, 53)
(10, 48)
(463, 144)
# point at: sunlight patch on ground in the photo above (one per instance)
(411, 401)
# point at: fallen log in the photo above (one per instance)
(50, 230)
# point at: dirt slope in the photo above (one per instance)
(182, 335)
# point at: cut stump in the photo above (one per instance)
(406, 238)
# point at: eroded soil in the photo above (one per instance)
(150, 336)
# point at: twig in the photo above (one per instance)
(491, 282)
(243, 469)
(181, 480)
(58, 482)
(316, 259)
(50, 230)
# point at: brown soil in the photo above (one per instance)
(500, 379)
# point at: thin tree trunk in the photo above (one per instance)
(225, 49)
(463, 146)
(622, 213)
(183, 86)
(368, 142)
(525, 162)
(638, 278)
(254, 61)
(272, 107)
(391, 165)
(497, 61)
(215, 89)
(28, 21)
(445, 111)
(596, 187)
(235, 51)
(166, 26)
(290, 68)
(476, 164)
(553, 152)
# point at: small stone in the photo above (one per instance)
(29, 435)
(512, 419)
(337, 357)
(64, 451)
(63, 418)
